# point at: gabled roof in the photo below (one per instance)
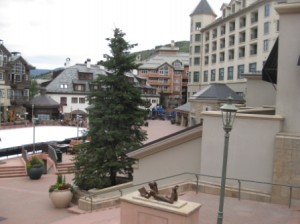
(203, 8)
(158, 60)
(20, 58)
(185, 107)
(43, 100)
(4, 49)
(70, 76)
(217, 91)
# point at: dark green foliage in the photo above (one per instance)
(61, 184)
(115, 120)
(34, 162)
(34, 88)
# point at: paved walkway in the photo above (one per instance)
(26, 201)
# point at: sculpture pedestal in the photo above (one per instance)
(138, 210)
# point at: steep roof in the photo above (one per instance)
(217, 91)
(160, 59)
(43, 100)
(69, 76)
(203, 8)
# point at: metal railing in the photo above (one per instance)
(195, 177)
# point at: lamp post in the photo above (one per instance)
(34, 119)
(228, 114)
(78, 117)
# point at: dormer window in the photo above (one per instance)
(177, 64)
(79, 87)
(164, 70)
(63, 86)
(85, 76)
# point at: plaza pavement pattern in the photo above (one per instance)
(27, 201)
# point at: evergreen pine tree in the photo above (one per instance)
(115, 120)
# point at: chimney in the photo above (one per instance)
(67, 63)
(172, 43)
(88, 63)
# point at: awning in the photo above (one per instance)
(269, 72)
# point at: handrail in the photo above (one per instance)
(197, 175)
(52, 154)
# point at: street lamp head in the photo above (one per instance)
(228, 114)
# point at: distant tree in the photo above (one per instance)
(162, 99)
(34, 88)
(115, 120)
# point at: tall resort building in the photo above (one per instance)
(223, 49)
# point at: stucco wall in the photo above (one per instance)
(259, 92)
(288, 91)
(251, 148)
(178, 159)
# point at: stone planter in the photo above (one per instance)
(61, 198)
(35, 173)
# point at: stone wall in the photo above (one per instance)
(286, 168)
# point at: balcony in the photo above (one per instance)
(19, 100)
(158, 75)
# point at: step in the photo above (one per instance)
(13, 175)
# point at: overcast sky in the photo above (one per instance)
(46, 32)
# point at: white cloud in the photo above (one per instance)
(43, 30)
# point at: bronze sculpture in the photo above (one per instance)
(155, 194)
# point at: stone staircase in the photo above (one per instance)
(64, 168)
(12, 171)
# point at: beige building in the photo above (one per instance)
(223, 49)
(262, 148)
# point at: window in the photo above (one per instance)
(223, 29)
(252, 67)
(242, 22)
(242, 36)
(221, 74)
(74, 100)
(177, 64)
(213, 59)
(198, 37)
(79, 87)
(81, 100)
(63, 101)
(253, 49)
(241, 52)
(1, 76)
(231, 40)
(266, 27)
(18, 68)
(253, 33)
(197, 49)
(222, 43)
(232, 26)
(215, 33)
(197, 61)
(206, 60)
(266, 45)
(63, 86)
(230, 73)
(277, 25)
(222, 56)
(213, 75)
(164, 70)
(240, 71)
(206, 48)
(254, 17)
(207, 36)
(214, 46)
(196, 77)
(205, 76)
(231, 54)
(267, 10)
(198, 26)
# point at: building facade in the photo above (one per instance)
(223, 49)
(14, 84)
(167, 71)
